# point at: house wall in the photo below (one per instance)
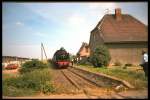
(127, 53)
(95, 39)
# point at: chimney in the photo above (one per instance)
(118, 14)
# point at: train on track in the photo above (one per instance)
(61, 58)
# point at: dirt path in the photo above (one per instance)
(140, 94)
(61, 83)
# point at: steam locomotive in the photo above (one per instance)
(61, 58)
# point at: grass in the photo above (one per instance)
(136, 78)
(37, 81)
(14, 92)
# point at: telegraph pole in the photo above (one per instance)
(42, 49)
(41, 53)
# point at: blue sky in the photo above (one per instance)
(26, 25)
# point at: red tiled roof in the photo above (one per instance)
(128, 29)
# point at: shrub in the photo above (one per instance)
(32, 65)
(84, 61)
(124, 67)
(14, 92)
(35, 81)
(100, 56)
(128, 64)
(118, 63)
(47, 87)
(49, 60)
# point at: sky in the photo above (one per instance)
(26, 25)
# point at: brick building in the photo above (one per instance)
(124, 35)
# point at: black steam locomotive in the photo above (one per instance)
(61, 58)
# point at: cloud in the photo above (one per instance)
(102, 8)
(40, 34)
(102, 5)
(46, 11)
(76, 19)
(19, 23)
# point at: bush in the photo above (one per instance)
(100, 56)
(118, 63)
(47, 87)
(84, 61)
(35, 81)
(128, 64)
(14, 92)
(32, 65)
(124, 67)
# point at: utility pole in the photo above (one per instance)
(41, 53)
(42, 48)
(44, 51)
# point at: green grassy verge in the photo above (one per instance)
(37, 81)
(136, 78)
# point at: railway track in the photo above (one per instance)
(100, 81)
(83, 84)
(77, 81)
(93, 85)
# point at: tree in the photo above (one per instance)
(100, 56)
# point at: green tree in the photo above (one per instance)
(100, 56)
